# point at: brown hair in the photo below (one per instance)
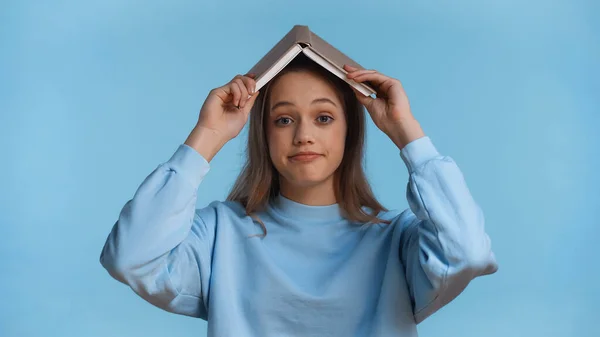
(259, 181)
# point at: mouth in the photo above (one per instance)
(305, 157)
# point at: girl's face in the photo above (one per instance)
(305, 116)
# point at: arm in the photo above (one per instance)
(159, 245)
(443, 245)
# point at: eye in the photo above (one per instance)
(283, 121)
(324, 119)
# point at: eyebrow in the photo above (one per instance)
(318, 100)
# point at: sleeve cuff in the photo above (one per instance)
(418, 152)
(190, 163)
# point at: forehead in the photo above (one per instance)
(301, 88)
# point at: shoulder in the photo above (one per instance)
(398, 218)
(386, 215)
(221, 210)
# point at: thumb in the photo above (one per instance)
(364, 100)
(250, 102)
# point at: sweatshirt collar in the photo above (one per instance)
(296, 210)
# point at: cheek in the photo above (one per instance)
(337, 141)
(276, 147)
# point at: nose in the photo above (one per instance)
(304, 133)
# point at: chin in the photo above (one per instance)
(307, 175)
(308, 182)
(306, 179)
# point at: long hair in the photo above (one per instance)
(259, 180)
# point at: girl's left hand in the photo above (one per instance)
(391, 107)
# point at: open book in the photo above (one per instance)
(302, 40)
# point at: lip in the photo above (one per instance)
(305, 156)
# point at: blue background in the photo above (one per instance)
(95, 94)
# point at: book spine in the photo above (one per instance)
(303, 35)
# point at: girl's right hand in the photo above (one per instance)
(225, 110)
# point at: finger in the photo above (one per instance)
(361, 72)
(251, 75)
(236, 92)
(350, 68)
(376, 79)
(223, 93)
(243, 92)
(250, 103)
(249, 83)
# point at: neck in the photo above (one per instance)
(321, 194)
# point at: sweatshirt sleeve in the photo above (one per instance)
(159, 246)
(443, 244)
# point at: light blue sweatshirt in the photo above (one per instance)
(315, 273)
